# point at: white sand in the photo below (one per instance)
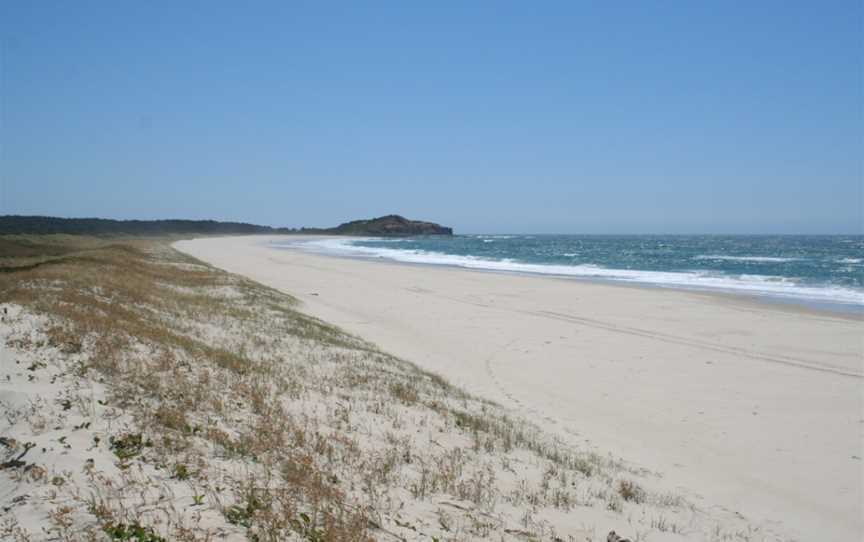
(755, 407)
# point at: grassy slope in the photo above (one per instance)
(228, 413)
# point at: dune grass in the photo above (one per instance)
(243, 417)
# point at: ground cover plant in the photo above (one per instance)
(147, 396)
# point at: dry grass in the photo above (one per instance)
(244, 417)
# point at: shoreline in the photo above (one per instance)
(839, 310)
(695, 385)
(832, 308)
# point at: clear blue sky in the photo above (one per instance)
(595, 117)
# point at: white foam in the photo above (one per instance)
(745, 258)
(753, 284)
(493, 237)
(850, 260)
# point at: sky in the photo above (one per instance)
(556, 117)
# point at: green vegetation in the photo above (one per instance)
(384, 226)
(42, 225)
(390, 225)
(133, 532)
(129, 445)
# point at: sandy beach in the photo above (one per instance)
(754, 408)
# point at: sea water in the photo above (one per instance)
(827, 271)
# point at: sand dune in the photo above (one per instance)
(756, 408)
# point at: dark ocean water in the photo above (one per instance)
(824, 270)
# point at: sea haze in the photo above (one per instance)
(815, 270)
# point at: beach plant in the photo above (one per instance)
(630, 491)
(289, 426)
(128, 445)
(181, 471)
(132, 532)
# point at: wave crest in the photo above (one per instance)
(763, 259)
(768, 285)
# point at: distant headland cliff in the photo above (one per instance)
(387, 226)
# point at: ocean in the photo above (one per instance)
(824, 271)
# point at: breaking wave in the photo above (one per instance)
(766, 285)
